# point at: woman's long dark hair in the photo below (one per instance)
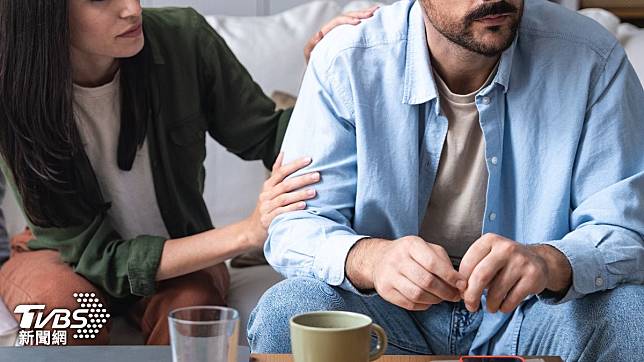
(39, 139)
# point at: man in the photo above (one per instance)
(482, 185)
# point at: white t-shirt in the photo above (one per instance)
(134, 210)
(454, 217)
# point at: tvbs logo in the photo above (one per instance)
(86, 321)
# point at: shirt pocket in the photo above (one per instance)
(187, 150)
(189, 131)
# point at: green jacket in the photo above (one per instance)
(200, 86)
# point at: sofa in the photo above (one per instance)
(272, 50)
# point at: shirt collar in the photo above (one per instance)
(505, 66)
(419, 85)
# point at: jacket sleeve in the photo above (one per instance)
(96, 251)
(240, 116)
(121, 267)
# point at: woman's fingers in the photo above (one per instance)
(293, 184)
(268, 218)
(340, 20)
(349, 18)
(292, 197)
(310, 45)
(364, 13)
(278, 161)
(284, 171)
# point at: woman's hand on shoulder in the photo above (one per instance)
(350, 18)
(280, 195)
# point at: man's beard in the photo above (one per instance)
(461, 34)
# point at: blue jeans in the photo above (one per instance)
(600, 327)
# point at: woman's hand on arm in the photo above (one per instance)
(196, 252)
(350, 18)
(279, 196)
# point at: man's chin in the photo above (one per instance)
(493, 43)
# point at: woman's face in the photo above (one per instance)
(106, 28)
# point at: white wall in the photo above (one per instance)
(237, 7)
(207, 7)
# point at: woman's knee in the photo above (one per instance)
(40, 278)
(198, 288)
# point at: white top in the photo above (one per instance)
(134, 210)
(454, 217)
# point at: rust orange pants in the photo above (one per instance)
(40, 277)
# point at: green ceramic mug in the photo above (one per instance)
(335, 336)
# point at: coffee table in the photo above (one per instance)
(288, 358)
(157, 354)
(96, 354)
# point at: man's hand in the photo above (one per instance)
(511, 271)
(407, 272)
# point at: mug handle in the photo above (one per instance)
(381, 347)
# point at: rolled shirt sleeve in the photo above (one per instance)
(606, 247)
(315, 242)
(121, 267)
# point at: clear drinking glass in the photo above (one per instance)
(204, 334)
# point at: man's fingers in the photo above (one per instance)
(397, 298)
(437, 263)
(481, 277)
(516, 295)
(429, 282)
(477, 251)
(500, 287)
(415, 293)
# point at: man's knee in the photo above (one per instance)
(603, 326)
(268, 325)
(619, 316)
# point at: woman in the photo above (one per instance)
(103, 113)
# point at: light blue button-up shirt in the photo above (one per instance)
(563, 123)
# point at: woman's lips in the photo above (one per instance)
(133, 33)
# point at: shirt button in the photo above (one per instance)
(599, 281)
(494, 160)
(492, 216)
(486, 100)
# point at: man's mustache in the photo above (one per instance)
(497, 8)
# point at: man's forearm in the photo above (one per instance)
(361, 260)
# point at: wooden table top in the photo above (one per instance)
(289, 358)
